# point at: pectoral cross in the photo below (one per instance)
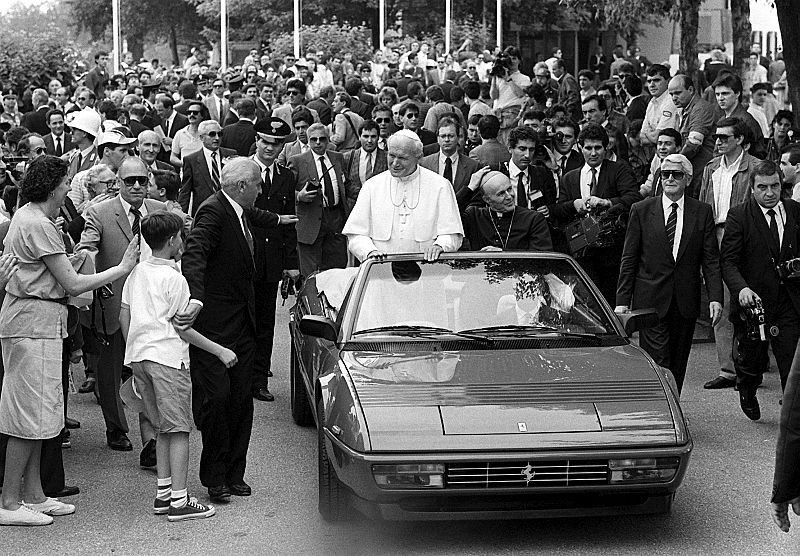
(404, 212)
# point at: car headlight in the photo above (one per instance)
(415, 475)
(644, 470)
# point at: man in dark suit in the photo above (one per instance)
(275, 248)
(321, 204)
(218, 265)
(148, 147)
(565, 156)
(366, 161)
(241, 136)
(137, 114)
(410, 113)
(669, 240)
(448, 162)
(597, 186)
(171, 122)
(57, 142)
(760, 235)
(362, 102)
(202, 169)
(323, 104)
(36, 120)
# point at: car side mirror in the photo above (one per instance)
(319, 327)
(638, 319)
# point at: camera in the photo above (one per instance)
(789, 270)
(600, 230)
(501, 65)
(755, 321)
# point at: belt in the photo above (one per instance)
(60, 300)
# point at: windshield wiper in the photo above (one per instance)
(425, 331)
(528, 327)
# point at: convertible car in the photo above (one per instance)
(481, 385)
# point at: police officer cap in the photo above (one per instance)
(273, 128)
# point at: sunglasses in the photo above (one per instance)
(84, 99)
(194, 112)
(213, 134)
(721, 137)
(382, 120)
(674, 174)
(293, 92)
(218, 85)
(40, 150)
(134, 180)
(318, 139)
(543, 75)
(412, 115)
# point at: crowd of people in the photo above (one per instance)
(224, 184)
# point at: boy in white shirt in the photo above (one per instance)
(158, 354)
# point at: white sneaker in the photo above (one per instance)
(24, 516)
(52, 506)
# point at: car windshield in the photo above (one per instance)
(491, 296)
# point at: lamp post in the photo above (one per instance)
(223, 34)
(296, 29)
(500, 24)
(115, 31)
(448, 9)
(381, 23)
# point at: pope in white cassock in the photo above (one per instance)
(406, 209)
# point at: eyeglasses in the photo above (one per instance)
(134, 180)
(318, 139)
(194, 112)
(382, 120)
(213, 133)
(84, 99)
(108, 183)
(412, 115)
(674, 174)
(721, 137)
(218, 85)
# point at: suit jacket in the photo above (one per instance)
(569, 96)
(466, 167)
(36, 121)
(574, 161)
(179, 122)
(239, 137)
(212, 103)
(230, 119)
(197, 185)
(323, 109)
(615, 182)
(757, 146)
(740, 184)
(293, 148)
(106, 234)
(637, 108)
(748, 260)
(490, 153)
(73, 156)
(137, 127)
(276, 247)
(66, 143)
(650, 277)
(352, 159)
(361, 107)
(304, 168)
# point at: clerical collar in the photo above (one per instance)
(412, 176)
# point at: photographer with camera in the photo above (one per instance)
(506, 88)
(760, 253)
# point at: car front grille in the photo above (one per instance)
(527, 474)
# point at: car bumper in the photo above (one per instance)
(354, 471)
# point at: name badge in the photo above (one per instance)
(533, 195)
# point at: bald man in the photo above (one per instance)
(406, 209)
(219, 266)
(149, 146)
(500, 225)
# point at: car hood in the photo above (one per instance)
(591, 397)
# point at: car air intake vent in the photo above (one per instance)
(526, 474)
(497, 343)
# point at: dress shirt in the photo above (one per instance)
(362, 163)
(666, 206)
(722, 179)
(331, 173)
(144, 250)
(660, 114)
(780, 218)
(207, 155)
(443, 162)
(237, 208)
(265, 170)
(586, 180)
(169, 121)
(514, 172)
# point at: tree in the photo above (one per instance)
(740, 24)
(790, 32)
(331, 38)
(689, 18)
(623, 16)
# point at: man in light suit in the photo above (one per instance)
(321, 204)
(448, 162)
(216, 102)
(110, 227)
(85, 125)
(199, 172)
(661, 263)
(366, 161)
(57, 142)
(301, 120)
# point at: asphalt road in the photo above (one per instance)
(722, 507)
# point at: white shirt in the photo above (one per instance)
(722, 179)
(265, 169)
(237, 208)
(514, 172)
(144, 250)
(666, 206)
(660, 114)
(780, 218)
(586, 180)
(363, 156)
(207, 155)
(443, 163)
(331, 173)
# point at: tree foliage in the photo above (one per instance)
(330, 38)
(623, 16)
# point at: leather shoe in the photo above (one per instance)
(719, 383)
(66, 491)
(263, 394)
(749, 403)
(240, 489)
(119, 441)
(220, 494)
(87, 386)
(72, 423)
(147, 458)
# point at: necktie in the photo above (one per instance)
(221, 113)
(247, 235)
(215, 170)
(59, 150)
(267, 180)
(672, 222)
(563, 164)
(773, 231)
(80, 160)
(137, 216)
(330, 199)
(368, 171)
(521, 185)
(448, 169)
(593, 186)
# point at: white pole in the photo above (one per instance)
(448, 7)
(223, 34)
(296, 29)
(381, 22)
(500, 24)
(115, 31)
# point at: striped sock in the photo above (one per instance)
(179, 498)
(164, 489)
